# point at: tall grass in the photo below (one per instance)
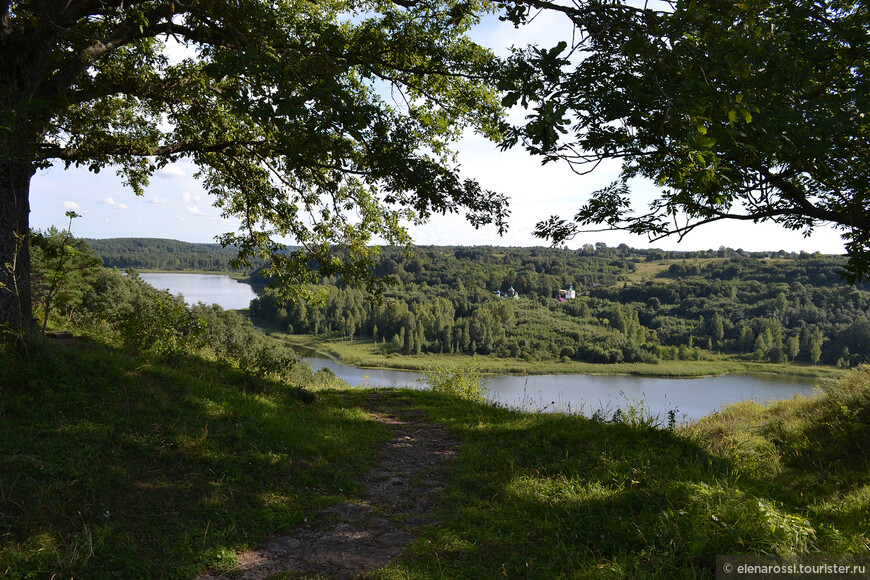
(463, 381)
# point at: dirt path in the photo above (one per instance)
(347, 540)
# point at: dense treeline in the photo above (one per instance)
(766, 306)
(631, 305)
(167, 255)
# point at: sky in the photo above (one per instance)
(176, 206)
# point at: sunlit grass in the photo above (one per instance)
(550, 496)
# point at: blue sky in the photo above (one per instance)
(175, 205)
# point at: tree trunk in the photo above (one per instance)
(16, 310)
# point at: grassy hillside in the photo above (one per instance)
(540, 496)
(118, 464)
(115, 465)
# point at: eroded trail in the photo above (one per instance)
(348, 539)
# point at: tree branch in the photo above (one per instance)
(51, 151)
(793, 194)
(80, 62)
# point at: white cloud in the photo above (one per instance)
(71, 205)
(114, 204)
(193, 210)
(158, 200)
(187, 197)
(172, 172)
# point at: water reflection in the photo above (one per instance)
(688, 398)
(226, 292)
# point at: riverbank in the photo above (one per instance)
(368, 354)
(119, 464)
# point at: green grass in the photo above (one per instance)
(367, 354)
(648, 270)
(544, 496)
(116, 465)
(113, 465)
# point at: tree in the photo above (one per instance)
(793, 344)
(63, 269)
(780, 304)
(283, 107)
(816, 345)
(738, 110)
(717, 329)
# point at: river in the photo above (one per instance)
(688, 398)
(226, 292)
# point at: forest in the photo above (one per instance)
(165, 255)
(631, 305)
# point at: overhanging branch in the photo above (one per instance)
(181, 148)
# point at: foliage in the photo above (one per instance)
(165, 255)
(232, 337)
(62, 269)
(286, 108)
(768, 307)
(141, 317)
(736, 110)
(121, 306)
(465, 381)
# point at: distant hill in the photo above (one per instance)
(164, 254)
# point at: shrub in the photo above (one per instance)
(463, 381)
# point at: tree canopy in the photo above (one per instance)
(328, 123)
(748, 110)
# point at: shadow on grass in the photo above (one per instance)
(550, 496)
(113, 465)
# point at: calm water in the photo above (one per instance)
(218, 289)
(690, 398)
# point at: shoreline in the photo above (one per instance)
(360, 354)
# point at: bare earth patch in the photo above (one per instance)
(349, 539)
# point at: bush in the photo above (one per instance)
(139, 315)
(465, 382)
(144, 318)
